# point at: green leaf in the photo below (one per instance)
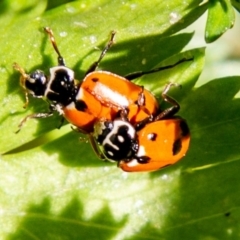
(236, 4)
(221, 17)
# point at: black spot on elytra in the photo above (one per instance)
(177, 146)
(143, 159)
(152, 136)
(184, 127)
(80, 105)
(95, 79)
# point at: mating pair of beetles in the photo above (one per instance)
(123, 120)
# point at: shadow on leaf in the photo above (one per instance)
(40, 223)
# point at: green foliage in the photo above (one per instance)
(52, 186)
(220, 18)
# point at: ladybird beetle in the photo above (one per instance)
(59, 88)
(160, 142)
(100, 95)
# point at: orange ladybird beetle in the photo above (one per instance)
(162, 141)
(100, 95)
